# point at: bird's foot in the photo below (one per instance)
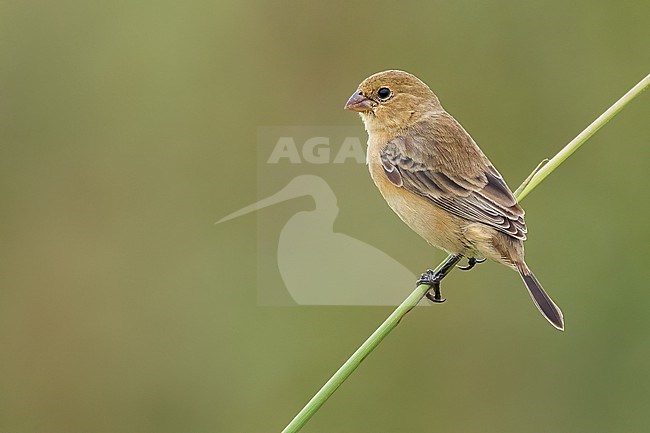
(471, 262)
(432, 279)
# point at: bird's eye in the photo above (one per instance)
(383, 93)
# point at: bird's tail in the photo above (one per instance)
(544, 303)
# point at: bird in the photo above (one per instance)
(439, 182)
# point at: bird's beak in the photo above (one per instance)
(358, 102)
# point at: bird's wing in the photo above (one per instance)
(429, 160)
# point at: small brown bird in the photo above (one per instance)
(435, 177)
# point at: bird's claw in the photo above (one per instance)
(426, 278)
(436, 296)
(471, 262)
(432, 279)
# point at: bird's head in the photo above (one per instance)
(392, 100)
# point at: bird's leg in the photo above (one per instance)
(471, 262)
(433, 279)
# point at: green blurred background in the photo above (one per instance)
(128, 128)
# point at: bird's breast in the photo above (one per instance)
(436, 226)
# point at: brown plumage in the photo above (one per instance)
(439, 182)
